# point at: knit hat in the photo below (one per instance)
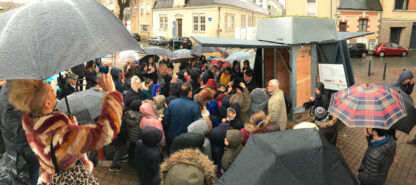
(320, 113)
(211, 84)
(259, 101)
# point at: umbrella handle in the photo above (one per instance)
(66, 102)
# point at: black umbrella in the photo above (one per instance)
(407, 123)
(182, 56)
(158, 51)
(295, 157)
(85, 105)
(146, 58)
(43, 38)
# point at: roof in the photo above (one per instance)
(373, 5)
(238, 43)
(244, 4)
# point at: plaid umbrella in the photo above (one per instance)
(368, 106)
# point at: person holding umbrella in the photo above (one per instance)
(57, 140)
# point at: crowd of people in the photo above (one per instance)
(181, 126)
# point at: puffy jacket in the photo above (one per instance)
(201, 127)
(377, 162)
(132, 119)
(150, 119)
(148, 156)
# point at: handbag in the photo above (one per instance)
(76, 175)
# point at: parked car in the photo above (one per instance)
(358, 50)
(180, 42)
(384, 49)
(136, 36)
(158, 40)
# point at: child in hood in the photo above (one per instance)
(159, 105)
(233, 117)
(233, 147)
(148, 155)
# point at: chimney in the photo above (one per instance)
(178, 3)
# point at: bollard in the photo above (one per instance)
(384, 73)
(369, 67)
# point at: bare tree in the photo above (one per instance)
(122, 4)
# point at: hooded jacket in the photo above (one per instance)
(407, 88)
(156, 88)
(132, 96)
(132, 119)
(217, 137)
(187, 167)
(321, 100)
(115, 73)
(244, 101)
(236, 122)
(377, 161)
(277, 109)
(259, 101)
(150, 120)
(174, 88)
(187, 140)
(234, 147)
(201, 127)
(148, 156)
(158, 105)
(194, 80)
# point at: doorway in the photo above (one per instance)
(179, 21)
(395, 34)
(413, 37)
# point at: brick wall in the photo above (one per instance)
(404, 36)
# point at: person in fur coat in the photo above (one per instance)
(187, 167)
(43, 124)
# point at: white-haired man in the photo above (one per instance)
(277, 106)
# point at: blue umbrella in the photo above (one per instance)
(239, 55)
(181, 51)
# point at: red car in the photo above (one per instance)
(384, 49)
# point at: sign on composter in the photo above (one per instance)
(333, 76)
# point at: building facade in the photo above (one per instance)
(274, 7)
(141, 14)
(209, 18)
(360, 16)
(399, 22)
(6, 6)
(317, 8)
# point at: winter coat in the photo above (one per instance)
(130, 97)
(146, 92)
(187, 167)
(12, 132)
(148, 156)
(201, 127)
(91, 78)
(244, 100)
(164, 82)
(132, 119)
(259, 101)
(258, 124)
(251, 85)
(179, 115)
(174, 88)
(321, 100)
(150, 119)
(158, 105)
(277, 109)
(377, 161)
(71, 142)
(188, 140)
(217, 137)
(194, 81)
(206, 75)
(407, 88)
(225, 103)
(115, 73)
(234, 147)
(236, 122)
(129, 73)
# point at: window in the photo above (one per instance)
(250, 23)
(311, 8)
(401, 4)
(195, 22)
(363, 25)
(141, 10)
(134, 11)
(148, 8)
(232, 22)
(110, 2)
(395, 46)
(163, 22)
(243, 21)
(387, 45)
(226, 22)
(343, 26)
(127, 14)
(202, 21)
(144, 28)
